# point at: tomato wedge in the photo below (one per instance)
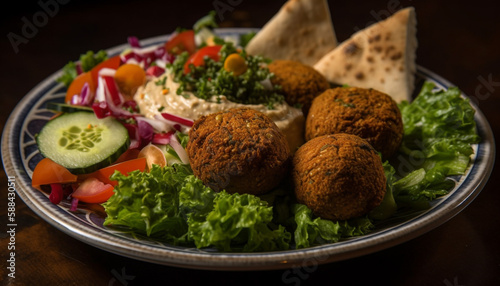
(49, 172)
(93, 191)
(128, 78)
(127, 155)
(112, 63)
(123, 167)
(77, 84)
(183, 41)
(198, 59)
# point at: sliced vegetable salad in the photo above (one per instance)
(99, 149)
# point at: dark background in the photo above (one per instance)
(459, 40)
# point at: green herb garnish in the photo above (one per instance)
(207, 21)
(344, 103)
(87, 62)
(211, 79)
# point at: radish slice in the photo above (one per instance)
(162, 138)
(181, 120)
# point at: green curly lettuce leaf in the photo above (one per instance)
(239, 222)
(439, 130)
(148, 203)
(314, 231)
(172, 205)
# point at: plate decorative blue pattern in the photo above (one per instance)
(20, 156)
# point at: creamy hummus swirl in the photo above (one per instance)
(159, 95)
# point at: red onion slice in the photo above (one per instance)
(181, 152)
(178, 119)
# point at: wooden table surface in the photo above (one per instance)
(457, 40)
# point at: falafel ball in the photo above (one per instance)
(367, 113)
(240, 150)
(300, 83)
(338, 176)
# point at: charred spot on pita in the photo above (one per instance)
(389, 49)
(280, 41)
(375, 38)
(351, 49)
(360, 75)
(396, 56)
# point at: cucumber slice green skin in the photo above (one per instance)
(81, 142)
(64, 107)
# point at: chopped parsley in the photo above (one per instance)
(161, 81)
(344, 103)
(211, 79)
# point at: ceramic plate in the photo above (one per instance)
(20, 156)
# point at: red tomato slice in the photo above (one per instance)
(130, 154)
(123, 167)
(112, 63)
(48, 172)
(184, 41)
(77, 84)
(198, 59)
(93, 191)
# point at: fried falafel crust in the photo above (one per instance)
(367, 113)
(300, 83)
(239, 150)
(338, 176)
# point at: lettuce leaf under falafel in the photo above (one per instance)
(439, 129)
(312, 230)
(172, 205)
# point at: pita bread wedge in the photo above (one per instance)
(381, 56)
(302, 30)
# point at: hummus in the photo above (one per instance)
(155, 97)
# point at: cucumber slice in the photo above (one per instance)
(63, 107)
(81, 142)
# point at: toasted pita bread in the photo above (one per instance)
(381, 56)
(302, 30)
